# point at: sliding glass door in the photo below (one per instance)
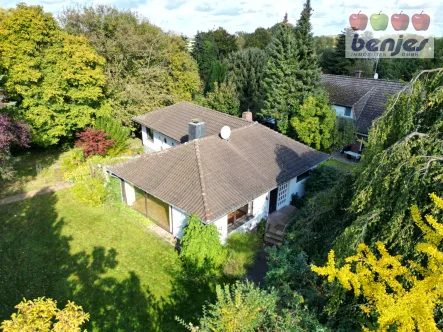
(152, 208)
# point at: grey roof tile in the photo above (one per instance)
(211, 177)
(368, 95)
(173, 120)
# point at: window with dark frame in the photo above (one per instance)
(303, 176)
(240, 214)
(150, 133)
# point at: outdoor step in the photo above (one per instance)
(275, 236)
(272, 241)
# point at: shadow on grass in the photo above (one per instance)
(25, 167)
(35, 261)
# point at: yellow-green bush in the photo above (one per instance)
(91, 192)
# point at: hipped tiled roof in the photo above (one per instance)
(211, 177)
(367, 96)
(173, 120)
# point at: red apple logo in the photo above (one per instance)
(400, 21)
(358, 21)
(421, 21)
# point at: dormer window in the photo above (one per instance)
(343, 111)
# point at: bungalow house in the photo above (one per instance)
(232, 182)
(359, 99)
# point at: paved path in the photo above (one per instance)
(41, 191)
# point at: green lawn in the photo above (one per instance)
(338, 164)
(27, 177)
(102, 258)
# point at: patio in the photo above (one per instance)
(277, 222)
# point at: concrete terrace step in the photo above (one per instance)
(272, 241)
(274, 236)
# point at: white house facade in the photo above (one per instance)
(232, 182)
(155, 141)
(243, 219)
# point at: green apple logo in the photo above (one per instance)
(379, 21)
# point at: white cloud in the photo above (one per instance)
(189, 16)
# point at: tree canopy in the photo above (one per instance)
(246, 72)
(57, 79)
(145, 67)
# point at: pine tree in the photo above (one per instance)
(246, 71)
(281, 86)
(309, 71)
(337, 63)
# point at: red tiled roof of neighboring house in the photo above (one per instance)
(211, 177)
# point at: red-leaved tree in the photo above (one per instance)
(94, 141)
(12, 133)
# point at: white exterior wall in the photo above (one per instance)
(296, 188)
(222, 226)
(130, 193)
(178, 219)
(158, 143)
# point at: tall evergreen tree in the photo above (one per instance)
(246, 71)
(309, 68)
(337, 63)
(280, 84)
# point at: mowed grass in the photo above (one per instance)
(338, 164)
(34, 169)
(102, 258)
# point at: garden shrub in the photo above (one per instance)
(297, 201)
(91, 192)
(72, 160)
(240, 307)
(112, 191)
(116, 132)
(93, 142)
(241, 250)
(201, 252)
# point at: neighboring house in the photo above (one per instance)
(231, 183)
(168, 126)
(360, 99)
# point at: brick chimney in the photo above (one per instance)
(358, 73)
(247, 115)
(196, 129)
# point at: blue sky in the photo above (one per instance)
(189, 16)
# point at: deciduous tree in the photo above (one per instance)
(201, 250)
(145, 67)
(57, 79)
(223, 99)
(314, 122)
(12, 133)
(94, 141)
(404, 296)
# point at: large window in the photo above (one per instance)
(139, 204)
(158, 211)
(238, 215)
(152, 208)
